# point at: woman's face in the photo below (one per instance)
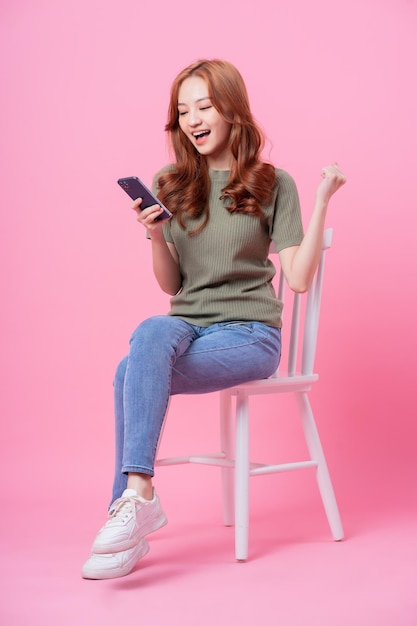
(207, 130)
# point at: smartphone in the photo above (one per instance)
(135, 188)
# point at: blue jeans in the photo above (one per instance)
(169, 356)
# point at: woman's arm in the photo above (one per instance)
(299, 263)
(164, 255)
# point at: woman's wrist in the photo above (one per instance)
(156, 234)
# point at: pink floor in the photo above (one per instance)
(296, 574)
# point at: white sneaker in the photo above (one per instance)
(103, 566)
(131, 518)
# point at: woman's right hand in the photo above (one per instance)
(164, 255)
(147, 216)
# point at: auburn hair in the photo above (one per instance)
(185, 188)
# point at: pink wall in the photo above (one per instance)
(84, 90)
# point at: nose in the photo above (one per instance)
(194, 118)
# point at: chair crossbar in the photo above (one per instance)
(219, 460)
(260, 468)
(205, 459)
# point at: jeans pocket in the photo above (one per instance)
(236, 324)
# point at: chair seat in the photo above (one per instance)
(281, 383)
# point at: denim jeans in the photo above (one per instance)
(169, 356)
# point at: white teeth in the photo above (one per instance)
(200, 133)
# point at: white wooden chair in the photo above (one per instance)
(298, 379)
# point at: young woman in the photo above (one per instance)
(224, 324)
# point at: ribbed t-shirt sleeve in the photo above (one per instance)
(287, 227)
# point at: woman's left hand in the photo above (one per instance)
(333, 179)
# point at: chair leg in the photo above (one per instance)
(242, 478)
(226, 439)
(323, 476)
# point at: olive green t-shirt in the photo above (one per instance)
(226, 270)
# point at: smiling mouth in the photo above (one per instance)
(200, 135)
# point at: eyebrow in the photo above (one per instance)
(182, 104)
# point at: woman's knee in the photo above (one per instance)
(160, 329)
(149, 328)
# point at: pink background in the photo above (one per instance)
(84, 93)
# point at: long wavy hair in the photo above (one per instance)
(185, 188)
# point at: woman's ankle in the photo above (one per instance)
(142, 484)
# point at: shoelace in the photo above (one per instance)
(123, 507)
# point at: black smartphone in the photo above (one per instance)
(135, 188)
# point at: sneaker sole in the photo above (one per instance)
(95, 573)
(108, 548)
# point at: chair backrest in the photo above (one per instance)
(304, 317)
